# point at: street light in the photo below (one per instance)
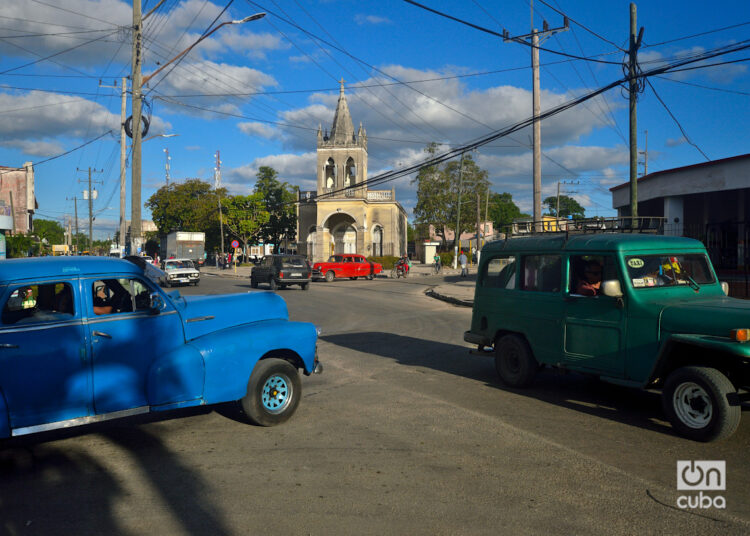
(191, 47)
(138, 82)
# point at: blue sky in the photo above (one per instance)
(257, 92)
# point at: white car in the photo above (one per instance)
(178, 271)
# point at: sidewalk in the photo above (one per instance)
(449, 285)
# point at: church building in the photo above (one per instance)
(343, 215)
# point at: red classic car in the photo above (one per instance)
(346, 265)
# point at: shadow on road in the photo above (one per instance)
(573, 391)
(48, 488)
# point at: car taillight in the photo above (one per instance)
(281, 275)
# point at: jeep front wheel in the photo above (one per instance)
(514, 361)
(273, 392)
(695, 401)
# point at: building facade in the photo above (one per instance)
(708, 201)
(17, 198)
(343, 215)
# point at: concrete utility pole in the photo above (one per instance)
(536, 37)
(135, 183)
(89, 194)
(123, 157)
(635, 43)
(75, 212)
(479, 220)
(457, 235)
(217, 185)
(645, 155)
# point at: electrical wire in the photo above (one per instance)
(704, 87)
(698, 34)
(492, 32)
(687, 138)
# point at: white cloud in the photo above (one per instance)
(675, 142)
(35, 148)
(296, 169)
(371, 19)
(258, 129)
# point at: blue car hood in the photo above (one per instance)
(208, 314)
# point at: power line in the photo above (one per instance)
(703, 87)
(492, 32)
(687, 138)
(698, 34)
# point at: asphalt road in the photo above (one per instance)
(404, 433)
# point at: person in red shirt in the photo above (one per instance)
(591, 283)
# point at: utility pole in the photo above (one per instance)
(166, 165)
(89, 194)
(217, 185)
(457, 236)
(479, 220)
(645, 155)
(635, 43)
(123, 155)
(75, 212)
(557, 210)
(486, 211)
(135, 182)
(536, 37)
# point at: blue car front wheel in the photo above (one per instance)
(273, 392)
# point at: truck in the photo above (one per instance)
(183, 245)
(116, 251)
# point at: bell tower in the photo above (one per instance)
(342, 154)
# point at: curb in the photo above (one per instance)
(449, 299)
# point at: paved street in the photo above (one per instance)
(404, 433)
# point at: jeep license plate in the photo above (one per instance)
(296, 274)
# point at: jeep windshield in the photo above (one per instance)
(665, 270)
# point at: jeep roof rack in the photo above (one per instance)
(617, 224)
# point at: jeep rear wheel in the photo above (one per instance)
(695, 401)
(514, 361)
(273, 392)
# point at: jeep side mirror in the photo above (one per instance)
(725, 287)
(612, 288)
(156, 303)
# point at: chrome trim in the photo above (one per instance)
(200, 318)
(113, 317)
(78, 421)
(318, 368)
(36, 327)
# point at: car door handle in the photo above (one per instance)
(8, 346)
(102, 334)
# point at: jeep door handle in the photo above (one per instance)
(102, 334)
(8, 346)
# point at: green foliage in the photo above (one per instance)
(151, 247)
(49, 230)
(387, 261)
(502, 211)
(568, 207)
(244, 216)
(446, 258)
(187, 206)
(20, 245)
(279, 199)
(438, 192)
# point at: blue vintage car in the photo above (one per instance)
(85, 339)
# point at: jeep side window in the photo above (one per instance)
(500, 272)
(541, 273)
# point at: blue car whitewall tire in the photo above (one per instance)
(273, 392)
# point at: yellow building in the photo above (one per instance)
(343, 215)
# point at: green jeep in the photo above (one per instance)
(637, 310)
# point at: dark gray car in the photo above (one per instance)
(281, 271)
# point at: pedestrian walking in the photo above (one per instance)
(462, 260)
(438, 263)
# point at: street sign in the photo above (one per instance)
(235, 244)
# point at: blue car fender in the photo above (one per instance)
(178, 376)
(231, 354)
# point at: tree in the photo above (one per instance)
(279, 198)
(49, 230)
(502, 211)
(244, 216)
(569, 207)
(433, 190)
(473, 181)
